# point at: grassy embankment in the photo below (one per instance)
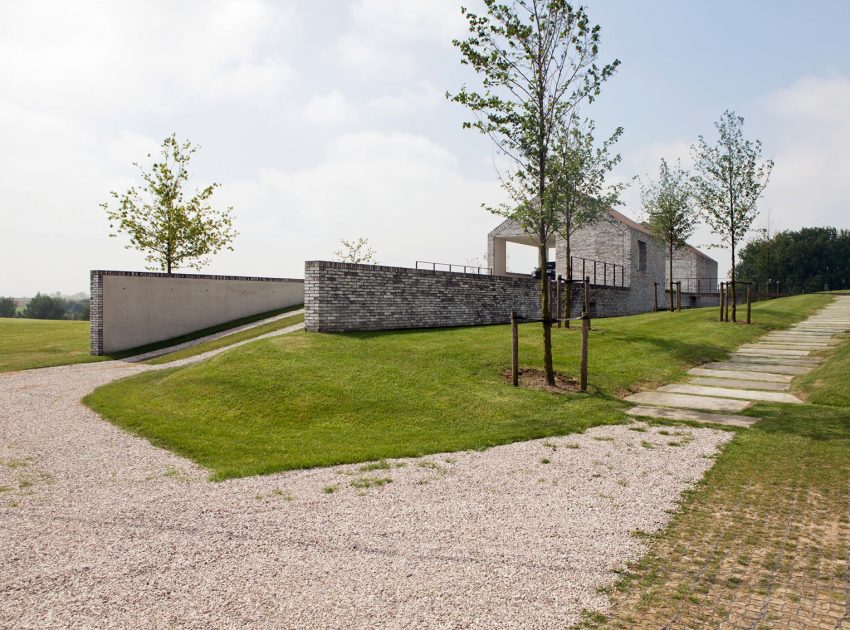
(306, 400)
(37, 343)
(762, 541)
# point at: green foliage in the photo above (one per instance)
(7, 307)
(730, 178)
(669, 208)
(809, 259)
(43, 306)
(537, 62)
(357, 252)
(172, 231)
(304, 400)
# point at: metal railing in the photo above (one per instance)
(436, 266)
(696, 285)
(600, 272)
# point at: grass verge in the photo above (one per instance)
(306, 400)
(37, 343)
(227, 340)
(762, 540)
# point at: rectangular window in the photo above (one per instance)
(641, 256)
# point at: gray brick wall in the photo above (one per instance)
(341, 297)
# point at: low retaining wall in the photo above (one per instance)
(131, 309)
(341, 297)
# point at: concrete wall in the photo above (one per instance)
(131, 309)
(689, 262)
(343, 297)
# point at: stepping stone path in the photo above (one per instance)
(757, 371)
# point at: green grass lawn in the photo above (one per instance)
(762, 540)
(35, 343)
(227, 340)
(305, 400)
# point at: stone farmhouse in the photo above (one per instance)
(618, 252)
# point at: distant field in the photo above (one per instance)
(34, 343)
(309, 399)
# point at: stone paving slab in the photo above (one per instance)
(788, 345)
(793, 370)
(741, 373)
(728, 392)
(668, 413)
(771, 351)
(757, 359)
(684, 401)
(740, 384)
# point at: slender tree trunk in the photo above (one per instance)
(670, 244)
(733, 281)
(546, 309)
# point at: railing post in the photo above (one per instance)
(605, 274)
(587, 300)
(655, 297)
(749, 303)
(728, 295)
(514, 350)
(594, 273)
(679, 295)
(722, 300)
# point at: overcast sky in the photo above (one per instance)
(328, 120)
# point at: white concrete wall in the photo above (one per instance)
(139, 309)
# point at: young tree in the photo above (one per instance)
(43, 306)
(669, 208)
(7, 307)
(170, 229)
(357, 252)
(730, 178)
(578, 183)
(538, 62)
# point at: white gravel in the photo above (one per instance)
(102, 529)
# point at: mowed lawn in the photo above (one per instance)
(309, 399)
(35, 343)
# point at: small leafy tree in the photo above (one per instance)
(7, 307)
(171, 230)
(43, 306)
(730, 178)
(357, 252)
(578, 183)
(669, 208)
(538, 63)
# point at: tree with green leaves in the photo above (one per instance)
(538, 63)
(357, 252)
(729, 180)
(579, 188)
(44, 306)
(7, 307)
(668, 204)
(173, 231)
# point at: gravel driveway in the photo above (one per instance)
(102, 529)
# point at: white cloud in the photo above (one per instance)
(327, 109)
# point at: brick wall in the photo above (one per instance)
(342, 297)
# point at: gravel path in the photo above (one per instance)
(101, 529)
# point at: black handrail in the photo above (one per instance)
(451, 268)
(594, 268)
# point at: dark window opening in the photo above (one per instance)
(641, 256)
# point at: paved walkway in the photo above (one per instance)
(759, 371)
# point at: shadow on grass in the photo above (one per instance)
(814, 422)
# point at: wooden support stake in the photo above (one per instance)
(749, 304)
(585, 329)
(587, 300)
(728, 296)
(679, 295)
(722, 300)
(655, 297)
(514, 350)
(558, 298)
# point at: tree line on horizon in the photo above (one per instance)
(45, 306)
